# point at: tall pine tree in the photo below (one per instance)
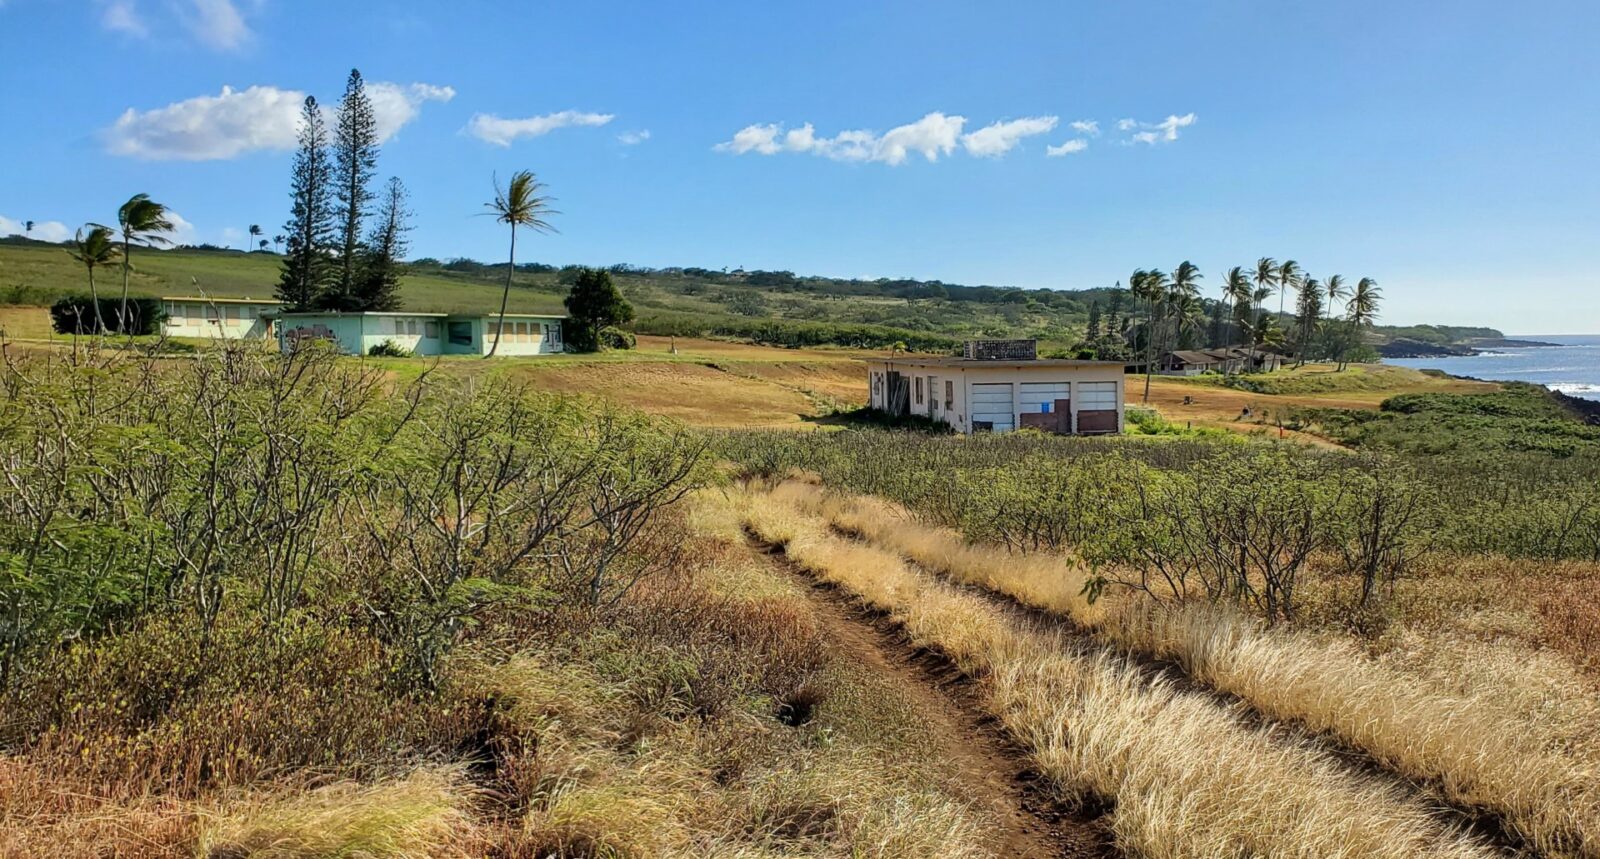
(306, 264)
(355, 157)
(379, 287)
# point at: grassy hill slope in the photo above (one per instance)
(777, 308)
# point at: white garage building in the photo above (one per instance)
(997, 390)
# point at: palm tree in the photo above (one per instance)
(1308, 286)
(518, 204)
(262, 244)
(1335, 290)
(142, 220)
(255, 230)
(1362, 308)
(1183, 294)
(1289, 275)
(1236, 294)
(277, 243)
(94, 249)
(1152, 287)
(1266, 279)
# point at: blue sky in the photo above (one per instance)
(1448, 150)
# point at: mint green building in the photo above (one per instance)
(424, 333)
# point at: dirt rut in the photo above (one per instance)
(994, 771)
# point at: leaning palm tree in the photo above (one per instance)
(1289, 276)
(518, 204)
(1362, 308)
(1335, 290)
(95, 249)
(1266, 279)
(142, 221)
(1152, 287)
(1309, 298)
(1236, 294)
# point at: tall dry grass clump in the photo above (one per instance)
(1186, 777)
(1478, 754)
(421, 815)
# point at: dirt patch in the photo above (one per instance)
(995, 772)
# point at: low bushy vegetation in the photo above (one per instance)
(793, 334)
(268, 606)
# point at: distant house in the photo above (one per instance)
(999, 386)
(424, 333)
(1226, 359)
(216, 318)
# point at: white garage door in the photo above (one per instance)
(1042, 396)
(1097, 395)
(992, 403)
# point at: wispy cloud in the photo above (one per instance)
(997, 139)
(502, 132)
(1086, 126)
(237, 122)
(1164, 131)
(634, 138)
(120, 16)
(931, 136)
(216, 24)
(1126, 124)
(1068, 148)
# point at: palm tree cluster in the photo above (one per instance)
(1174, 314)
(141, 222)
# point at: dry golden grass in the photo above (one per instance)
(420, 816)
(1186, 776)
(1480, 754)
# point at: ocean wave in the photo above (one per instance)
(1575, 388)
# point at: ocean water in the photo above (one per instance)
(1573, 367)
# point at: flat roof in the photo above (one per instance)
(965, 363)
(204, 300)
(418, 313)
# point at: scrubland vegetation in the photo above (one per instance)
(292, 607)
(1320, 589)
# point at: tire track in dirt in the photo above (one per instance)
(1486, 825)
(1031, 823)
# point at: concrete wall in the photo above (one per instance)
(207, 320)
(358, 333)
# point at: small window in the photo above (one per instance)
(552, 334)
(522, 332)
(460, 333)
(211, 313)
(413, 327)
(949, 394)
(430, 330)
(919, 390)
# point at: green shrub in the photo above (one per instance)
(389, 349)
(75, 314)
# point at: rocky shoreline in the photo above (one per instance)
(1403, 348)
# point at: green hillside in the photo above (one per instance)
(775, 307)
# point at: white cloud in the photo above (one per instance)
(44, 231)
(1164, 131)
(183, 232)
(1068, 148)
(931, 136)
(1126, 125)
(634, 138)
(216, 23)
(754, 138)
(120, 16)
(501, 132)
(236, 122)
(394, 105)
(997, 139)
(1086, 126)
(231, 236)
